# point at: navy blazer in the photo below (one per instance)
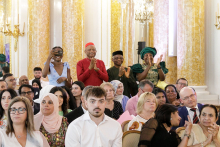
(183, 114)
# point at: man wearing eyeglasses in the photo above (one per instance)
(144, 86)
(10, 81)
(180, 83)
(123, 74)
(191, 107)
(28, 92)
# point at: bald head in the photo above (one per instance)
(90, 51)
(23, 80)
(188, 97)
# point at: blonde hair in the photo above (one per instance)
(30, 115)
(107, 84)
(142, 99)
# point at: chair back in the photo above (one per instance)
(124, 125)
(131, 138)
(180, 131)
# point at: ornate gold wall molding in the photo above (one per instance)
(128, 30)
(38, 33)
(1, 34)
(115, 26)
(191, 41)
(73, 33)
(161, 38)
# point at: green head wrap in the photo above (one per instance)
(151, 50)
(2, 58)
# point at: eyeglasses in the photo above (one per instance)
(183, 84)
(116, 58)
(187, 97)
(20, 110)
(24, 93)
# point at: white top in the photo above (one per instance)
(191, 113)
(37, 140)
(140, 122)
(84, 110)
(83, 132)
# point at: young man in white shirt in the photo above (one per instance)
(94, 128)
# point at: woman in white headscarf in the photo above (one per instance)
(119, 89)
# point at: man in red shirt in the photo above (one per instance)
(90, 70)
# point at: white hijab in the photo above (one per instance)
(115, 84)
(45, 90)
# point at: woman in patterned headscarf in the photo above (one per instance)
(150, 70)
(3, 63)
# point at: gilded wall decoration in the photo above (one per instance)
(38, 34)
(191, 41)
(161, 38)
(73, 33)
(1, 23)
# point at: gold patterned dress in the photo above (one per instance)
(152, 75)
(56, 139)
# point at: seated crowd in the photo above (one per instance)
(92, 111)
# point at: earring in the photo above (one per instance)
(171, 118)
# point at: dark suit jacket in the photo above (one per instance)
(183, 114)
(79, 112)
(36, 108)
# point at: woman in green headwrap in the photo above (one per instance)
(3, 63)
(149, 70)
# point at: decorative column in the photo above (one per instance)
(1, 23)
(191, 41)
(73, 33)
(122, 29)
(161, 38)
(38, 33)
(115, 26)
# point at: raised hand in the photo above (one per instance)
(149, 60)
(51, 54)
(213, 130)
(61, 79)
(127, 73)
(95, 67)
(121, 71)
(158, 61)
(188, 125)
(92, 63)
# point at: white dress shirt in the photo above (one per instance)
(191, 113)
(83, 132)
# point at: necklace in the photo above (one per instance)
(19, 136)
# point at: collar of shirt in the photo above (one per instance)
(188, 109)
(87, 117)
(136, 97)
(84, 110)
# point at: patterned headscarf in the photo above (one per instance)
(151, 50)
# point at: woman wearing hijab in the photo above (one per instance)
(3, 63)
(49, 122)
(149, 70)
(119, 89)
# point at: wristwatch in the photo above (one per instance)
(187, 135)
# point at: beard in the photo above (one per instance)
(37, 78)
(96, 114)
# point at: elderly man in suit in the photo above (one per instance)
(82, 108)
(191, 107)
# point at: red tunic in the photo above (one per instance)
(91, 77)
